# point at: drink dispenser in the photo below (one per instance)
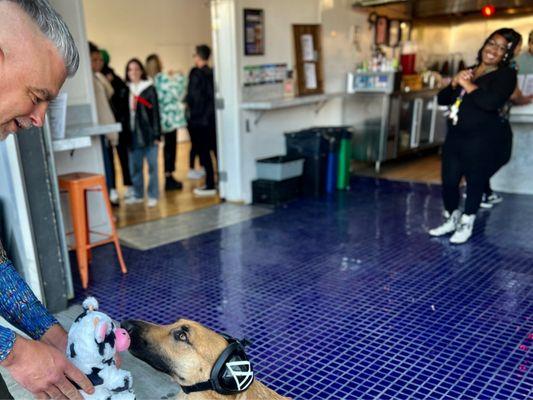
(408, 58)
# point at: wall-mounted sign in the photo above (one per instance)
(254, 32)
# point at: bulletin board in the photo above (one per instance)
(308, 59)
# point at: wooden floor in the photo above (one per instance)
(424, 168)
(170, 203)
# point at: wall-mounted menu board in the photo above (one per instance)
(308, 59)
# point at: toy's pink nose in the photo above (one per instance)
(122, 339)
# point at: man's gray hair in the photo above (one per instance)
(54, 28)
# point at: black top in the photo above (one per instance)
(479, 113)
(147, 127)
(201, 97)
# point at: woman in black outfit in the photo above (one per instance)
(475, 129)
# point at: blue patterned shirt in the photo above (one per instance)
(20, 307)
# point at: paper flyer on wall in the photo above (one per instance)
(308, 48)
(310, 76)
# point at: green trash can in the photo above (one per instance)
(345, 155)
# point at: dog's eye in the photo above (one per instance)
(180, 336)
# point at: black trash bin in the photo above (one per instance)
(313, 144)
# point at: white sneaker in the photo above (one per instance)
(113, 196)
(203, 192)
(133, 200)
(195, 174)
(152, 202)
(130, 192)
(464, 229)
(491, 201)
(449, 224)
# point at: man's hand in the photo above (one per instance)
(56, 337)
(43, 370)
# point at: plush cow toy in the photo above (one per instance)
(93, 341)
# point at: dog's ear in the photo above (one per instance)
(101, 331)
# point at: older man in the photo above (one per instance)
(37, 53)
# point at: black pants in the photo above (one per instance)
(504, 154)
(170, 151)
(109, 165)
(471, 157)
(4, 393)
(202, 142)
(192, 156)
(123, 156)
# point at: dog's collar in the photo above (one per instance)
(199, 387)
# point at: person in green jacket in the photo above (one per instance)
(170, 92)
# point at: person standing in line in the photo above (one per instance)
(201, 122)
(103, 91)
(476, 97)
(37, 53)
(491, 198)
(120, 109)
(525, 61)
(145, 128)
(170, 93)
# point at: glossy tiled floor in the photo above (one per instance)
(349, 298)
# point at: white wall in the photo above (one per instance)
(465, 36)
(136, 28)
(80, 86)
(339, 56)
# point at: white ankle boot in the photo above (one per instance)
(449, 225)
(464, 229)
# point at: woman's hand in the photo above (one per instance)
(462, 77)
(460, 74)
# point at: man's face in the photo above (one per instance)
(31, 71)
(530, 45)
(198, 61)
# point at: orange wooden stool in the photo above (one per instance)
(77, 185)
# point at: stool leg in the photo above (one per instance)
(113, 230)
(88, 225)
(79, 223)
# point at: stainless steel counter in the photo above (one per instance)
(388, 126)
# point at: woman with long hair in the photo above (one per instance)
(476, 97)
(170, 93)
(145, 128)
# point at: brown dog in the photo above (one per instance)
(187, 351)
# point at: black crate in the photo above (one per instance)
(276, 192)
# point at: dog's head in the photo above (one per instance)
(185, 350)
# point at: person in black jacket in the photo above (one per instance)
(476, 97)
(201, 123)
(119, 106)
(145, 132)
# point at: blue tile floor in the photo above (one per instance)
(349, 298)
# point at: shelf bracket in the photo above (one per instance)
(320, 105)
(259, 116)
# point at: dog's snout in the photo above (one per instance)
(130, 326)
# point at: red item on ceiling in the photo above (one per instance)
(488, 11)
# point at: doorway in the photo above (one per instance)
(172, 29)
